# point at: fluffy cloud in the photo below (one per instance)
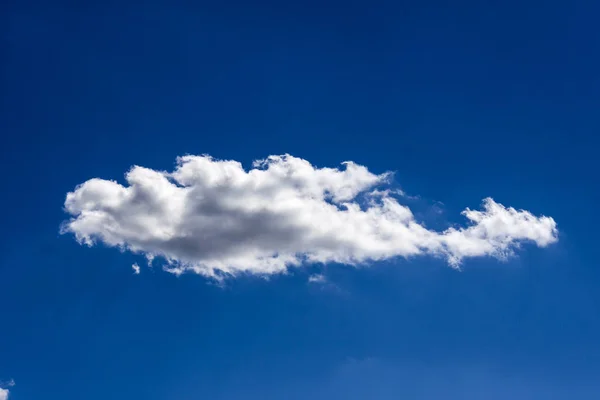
(4, 394)
(212, 217)
(136, 269)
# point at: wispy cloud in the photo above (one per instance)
(212, 217)
(317, 278)
(136, 269)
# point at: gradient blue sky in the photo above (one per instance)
(463, 101)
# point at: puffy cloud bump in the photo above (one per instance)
(213, 217)
(5, 392)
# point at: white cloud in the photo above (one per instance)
(5, 392)
(136, 269)
(317, 278)
(212, 216)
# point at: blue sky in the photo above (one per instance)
(461, 102)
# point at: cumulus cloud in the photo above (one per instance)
(214, 217)
(136, 269)
(5, 392)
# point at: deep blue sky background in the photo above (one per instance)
(463, 100)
